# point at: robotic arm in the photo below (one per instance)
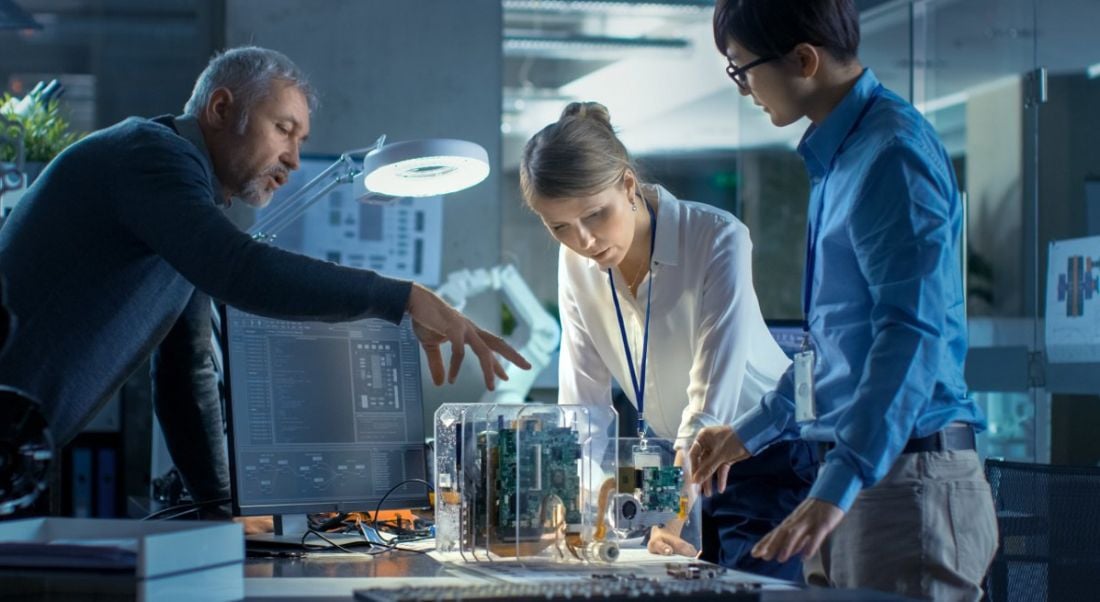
(543, 332)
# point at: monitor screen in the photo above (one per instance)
(788, 333)
(322, 417)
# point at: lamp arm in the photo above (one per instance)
(272, 223)
(304, 198)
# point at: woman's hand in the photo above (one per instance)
(665, 540)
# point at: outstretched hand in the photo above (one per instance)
(435, 322)
(715, 449)
(800, 533)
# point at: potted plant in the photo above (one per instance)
(46, 130)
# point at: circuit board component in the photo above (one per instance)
(536, 469)
(650, 487)
(520, 480)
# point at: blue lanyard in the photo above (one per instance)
(811, 236)
(639, 388)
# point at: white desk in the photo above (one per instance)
(330, 576)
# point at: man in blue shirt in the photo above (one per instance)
(901, 503)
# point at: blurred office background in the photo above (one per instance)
(1012, 87)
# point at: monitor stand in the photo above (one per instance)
(289, 529)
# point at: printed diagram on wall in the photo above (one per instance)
(1073, 300)
(1078, 284)
(402, 240)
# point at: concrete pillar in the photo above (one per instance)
(430, 68)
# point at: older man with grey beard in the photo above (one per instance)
(115, 251)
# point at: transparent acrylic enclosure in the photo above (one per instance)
(652, 490)
(525, 481)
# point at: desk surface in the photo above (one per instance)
(335, 576)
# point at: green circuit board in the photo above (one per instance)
(661, 488)
(520, 503)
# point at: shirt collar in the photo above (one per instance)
(822, 142)
(666, 250)
(188, 127)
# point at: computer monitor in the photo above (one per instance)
(322, 417)
(788, 333)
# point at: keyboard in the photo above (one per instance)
(604, 590)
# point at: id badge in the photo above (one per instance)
(804, 410)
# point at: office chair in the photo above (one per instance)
(1049, 520)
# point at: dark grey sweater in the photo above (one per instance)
(105, 250)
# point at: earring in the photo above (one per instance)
(633, 206)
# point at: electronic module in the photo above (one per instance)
(550, 482)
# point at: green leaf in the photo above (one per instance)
(46, 132)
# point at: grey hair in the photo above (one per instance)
(247, 72)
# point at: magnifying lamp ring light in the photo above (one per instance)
(419, 168)
(414, 168)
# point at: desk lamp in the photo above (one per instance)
(389, 172)
(415, 168)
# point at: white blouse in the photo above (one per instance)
(711, 357)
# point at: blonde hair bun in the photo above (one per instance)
(587, 110)
(578, 155)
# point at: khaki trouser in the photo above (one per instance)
(927, 530)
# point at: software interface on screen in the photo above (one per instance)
(323, 416)
(788, 333)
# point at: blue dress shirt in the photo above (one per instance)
(885, 309)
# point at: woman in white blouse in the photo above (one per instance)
(630, 250)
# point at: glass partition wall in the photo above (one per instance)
(974, 76)
(1012, 88)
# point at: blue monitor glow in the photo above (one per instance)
(322, 417)
(788, 333)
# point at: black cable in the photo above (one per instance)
(402, 532)
(378, 508)
(330, 542)
(329, 523)
(390, 547)
(179, 514)
(395, 548)
(186, 508)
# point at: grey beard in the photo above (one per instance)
(255, 194)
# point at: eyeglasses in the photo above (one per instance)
(739, 75)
